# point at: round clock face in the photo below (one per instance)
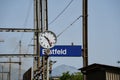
(47, 39)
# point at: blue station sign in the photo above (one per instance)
(63, 51)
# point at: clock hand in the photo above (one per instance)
(48, 40)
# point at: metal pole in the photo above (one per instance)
(46, 28)
(45, 60)
(35, 21)
(46, 14)
(10, 69)
(38, 27)
(85, 35)
(43, 65)
(20, 60)
(8, 76)
(37, 34)
(48, 69)
(2, 72)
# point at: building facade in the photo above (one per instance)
(101, 72)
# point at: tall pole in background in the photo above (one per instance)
(35, 35)
(35, 21)
(38, 27)
(2, 71)
(85, 35)
(46, 28)
(10, 69)
(19, 61)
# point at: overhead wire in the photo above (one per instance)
(26, 19)
(56, 17)
(69, 26)
(60, 13)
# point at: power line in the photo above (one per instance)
(55, 18)
(60, 13)
(69, 26)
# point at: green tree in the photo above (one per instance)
(65, 76)
(68, 76)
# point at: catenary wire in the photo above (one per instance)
(63, 30)
(60, 13)
(55, 18)
(69, 26)
(51, 21)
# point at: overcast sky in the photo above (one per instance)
(103, 29)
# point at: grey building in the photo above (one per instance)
(101, 72)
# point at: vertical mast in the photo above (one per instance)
(45, 59)
(38, 27)
(41, 24)
(10, 69)
(85, 35)
(2, 71)
(19, 61)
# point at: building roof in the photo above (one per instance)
(96, 66)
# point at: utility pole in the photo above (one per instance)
(38, 27)
(45, 58)
(10, 69)
(8, 76)
(2, 71)
(19, 61)
(41, 24)
(85, 34)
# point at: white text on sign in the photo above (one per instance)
(56, 51)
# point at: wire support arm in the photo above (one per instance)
(18, 55)
(18, 30)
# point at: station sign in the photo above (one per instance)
(63, 51)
